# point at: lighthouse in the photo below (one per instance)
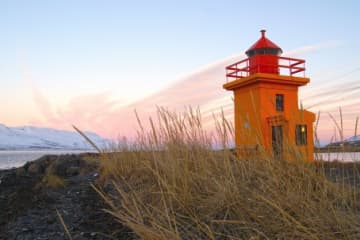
(267, 113)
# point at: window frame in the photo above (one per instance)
(301, 134)
(279, 102)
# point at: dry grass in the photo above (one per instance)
(171, 184)
(62, 222)
(53, 181)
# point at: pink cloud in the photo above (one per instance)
(201, 88)
(39, 98)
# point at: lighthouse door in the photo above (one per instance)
(277, 141)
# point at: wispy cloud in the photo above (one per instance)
(201, 88)
(39, 98)
(312, 48)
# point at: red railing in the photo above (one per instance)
(286, 66)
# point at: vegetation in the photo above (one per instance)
(171, 184)
(53, 181)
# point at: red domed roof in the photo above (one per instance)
(263, 42)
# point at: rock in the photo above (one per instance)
(24, 229)
(20, 171)
(72, 171)
(8, 179)
(50, 219)
(34, 168)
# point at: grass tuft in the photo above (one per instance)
(53, 181)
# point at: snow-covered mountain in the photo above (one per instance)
(351, 141)
(28, 137)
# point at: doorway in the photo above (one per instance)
(277, 141)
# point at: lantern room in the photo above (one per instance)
(267, 113)
(263, 56)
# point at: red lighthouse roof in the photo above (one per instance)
(263, 43)
(264, 57)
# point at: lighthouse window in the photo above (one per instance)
(251, 53)
(301, 134)
(279, 102)
(262, 51)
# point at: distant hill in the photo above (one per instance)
(352, 142)
(29, 137)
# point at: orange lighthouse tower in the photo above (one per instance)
(265, 87)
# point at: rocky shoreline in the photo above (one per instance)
(30, 197)
(29, 201)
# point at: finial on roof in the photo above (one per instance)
(263, 32)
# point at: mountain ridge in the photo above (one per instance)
(353, 141)
(31, 137)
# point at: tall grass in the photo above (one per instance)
(172, 184)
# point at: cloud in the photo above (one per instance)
(201, 88)
(312, 48)
(39, 98)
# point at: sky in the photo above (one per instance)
(92, 63)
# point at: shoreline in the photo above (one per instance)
(336, 149)
(29, 198)
(16, 158)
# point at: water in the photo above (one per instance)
(10, 159)
(340, 156)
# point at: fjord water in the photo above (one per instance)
(339, 156)
(11, 158)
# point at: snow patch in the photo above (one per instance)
(29, 137)
(353, 139)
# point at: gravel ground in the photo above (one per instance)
(28, 206)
